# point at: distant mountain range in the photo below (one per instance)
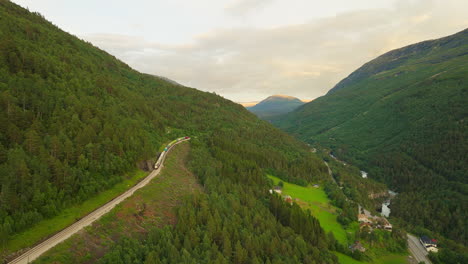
(275, 105)
(403, 118)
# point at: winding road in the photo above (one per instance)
(417, 250)
(41, 248)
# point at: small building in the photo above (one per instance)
(385, 224)
(388, 227)
(357, 246)
(278, 189)
(288, 199)
(429, 243)
(362, 218)
(316, 186)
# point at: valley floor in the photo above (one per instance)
(315, 199)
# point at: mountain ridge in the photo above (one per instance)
(396, 57)
(275, 105)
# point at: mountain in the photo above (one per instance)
(403, 118)
(75, 121)
(275, 105)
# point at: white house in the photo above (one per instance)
(277, 189)
(429, 244)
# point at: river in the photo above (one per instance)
(385, 205)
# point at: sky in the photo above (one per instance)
(247, 50)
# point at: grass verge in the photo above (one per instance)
(388, 259)
(50, 226)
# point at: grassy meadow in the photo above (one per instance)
(316, 200)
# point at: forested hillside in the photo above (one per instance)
(75, 121)
(402, 118)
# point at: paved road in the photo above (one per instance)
(38, 250)
(417, 250)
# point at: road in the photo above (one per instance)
(417, 250)
(333, 156)
(41, 248)
(330, 172)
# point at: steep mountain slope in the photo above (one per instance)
(275, 105)
(75, 120)
(402, 117)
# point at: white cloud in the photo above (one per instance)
(304, 60)
(243, 7)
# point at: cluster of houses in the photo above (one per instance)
(368, 221)
(371, 222)
(287, 198)
(278, 189)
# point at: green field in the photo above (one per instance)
(389, 259)
(344, 259)
(392, 259)
(317, 201)
(68, 216)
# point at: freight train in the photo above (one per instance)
(161, 156)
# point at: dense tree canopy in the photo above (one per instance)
(74, 121)
(235, 220)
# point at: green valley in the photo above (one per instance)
(101, 163)
(402, 118)
(314, 199)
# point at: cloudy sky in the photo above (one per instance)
(246, 50)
